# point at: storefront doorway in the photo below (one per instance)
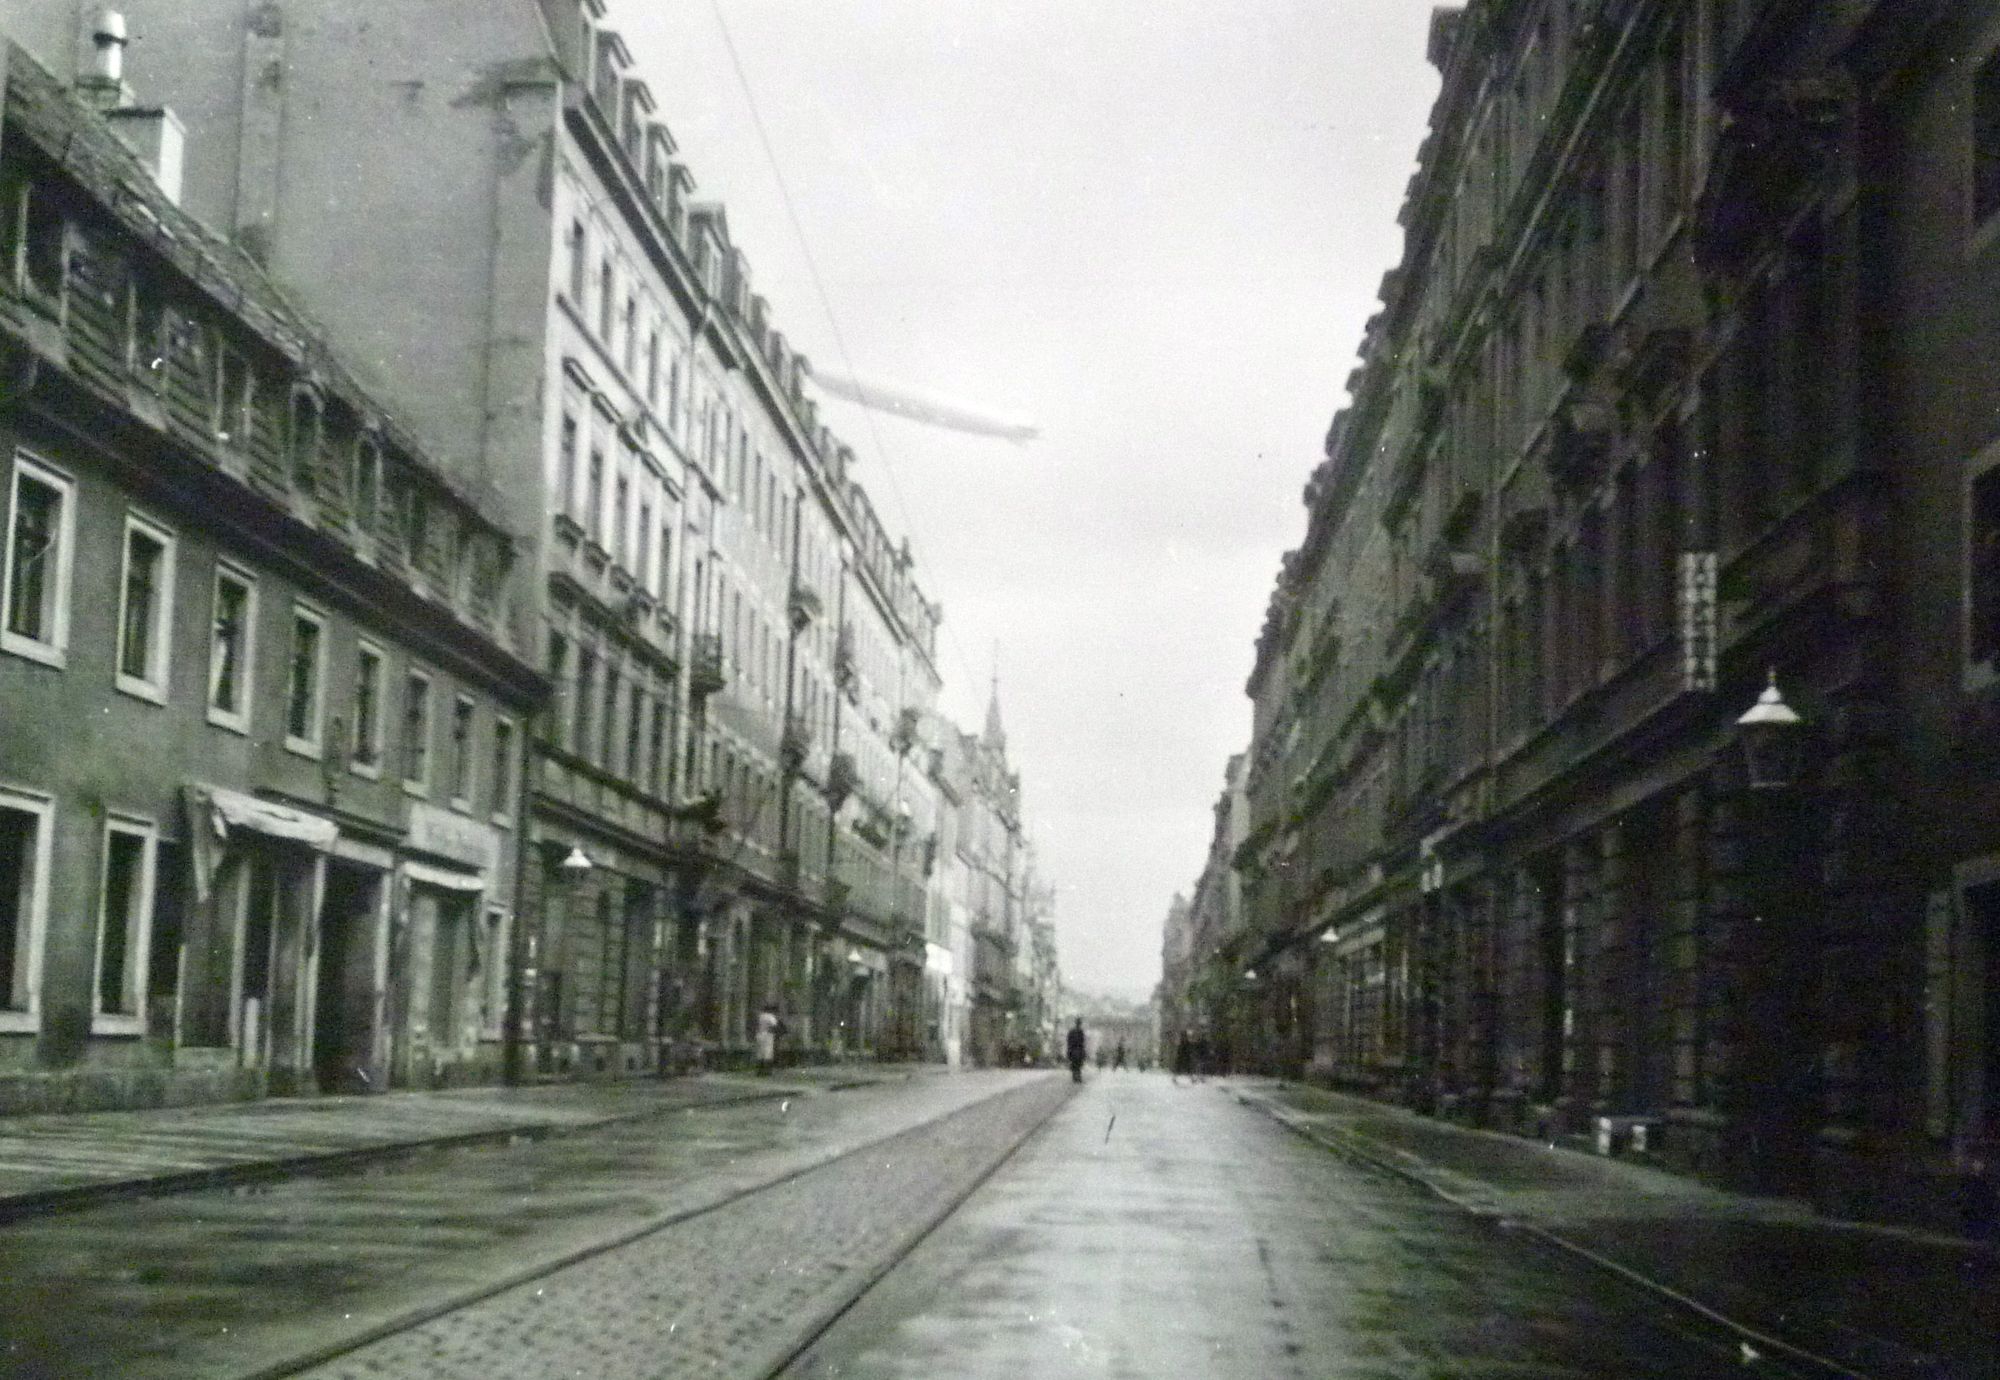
(345, 1008)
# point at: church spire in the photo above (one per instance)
(994, 737)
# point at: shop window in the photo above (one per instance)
(232, 631)
(24, 869)
(125, 905)
(39, 537)
(417, 731)
(368, 682)
(305, 689)
(1986, 140)
(463, 712)
(145, 614)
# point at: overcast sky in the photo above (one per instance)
(1154, 227)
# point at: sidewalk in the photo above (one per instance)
(1871, 1301)
(63, 1160)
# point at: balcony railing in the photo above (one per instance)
(707, 671)
(796, 744)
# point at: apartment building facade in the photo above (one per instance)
(264, 663)
(1673, 393)
(727, 801)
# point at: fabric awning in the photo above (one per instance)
(235, 810)
(445, 877)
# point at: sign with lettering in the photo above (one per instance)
(1697, 620)
(452, 835)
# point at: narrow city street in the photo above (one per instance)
(1154, 1230)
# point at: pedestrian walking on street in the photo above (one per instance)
(1076, 1051)
(768, 1025)
(1118, 1059)
(1183, 1059)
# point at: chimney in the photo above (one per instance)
(153, 132)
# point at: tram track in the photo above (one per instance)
(523, 1318)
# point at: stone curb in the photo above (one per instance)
(1364, 1150)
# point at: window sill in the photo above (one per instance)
(462, 804)
(21, 1022)
(367, 771)
(31, 650)
(417, 790)
(104, 1023)
(235, 723)
(141, 689)
(302, 747)
(502, 819)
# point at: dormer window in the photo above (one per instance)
(302, 437)
(232, 397)
(367, 480)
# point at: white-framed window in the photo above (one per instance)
(41, 534)
(501, 782)
(417, 731)
(464, 713)
(232, 646)
(124, 915)
(145, 609)
(26, 837)
(370, 672)
(305, 681)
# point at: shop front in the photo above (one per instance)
(448, 952)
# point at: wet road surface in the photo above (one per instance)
(1151, 1230)
(225, 1282)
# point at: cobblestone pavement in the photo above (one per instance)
(226, 1282)
(1154, 1230)
(727, 1293)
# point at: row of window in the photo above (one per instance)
(35, 580)
(85, 273)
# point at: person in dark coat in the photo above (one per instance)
(1076, 1051)
(1183, 1059)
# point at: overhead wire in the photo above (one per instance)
(826, 306)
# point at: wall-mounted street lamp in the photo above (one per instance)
(1773, 738)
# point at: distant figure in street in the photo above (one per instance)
(1118, 1059)
(768, 1025)
(1075, 1051)
(1183, 1059)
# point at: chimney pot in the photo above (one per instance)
(108, 37)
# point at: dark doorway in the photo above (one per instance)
(1982, 912)
(344, 997)
(1552, 921)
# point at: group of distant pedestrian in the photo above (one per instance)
(1190, 1055)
